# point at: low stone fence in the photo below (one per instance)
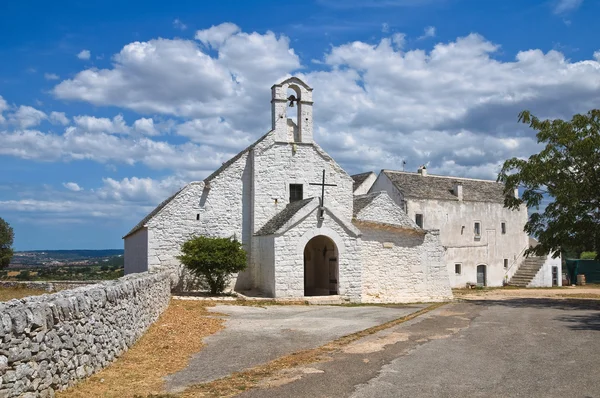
(51, 341)
(49, 286)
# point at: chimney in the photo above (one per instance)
(423, 171)
(458, 190)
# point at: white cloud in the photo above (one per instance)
(427, 32)
(145, 126)
(84, 54)
(215, 36)
(3, 107)
(93, 124)
(59, 118)
(72, 186)
(51, 76)
(565, 6)
(27, 116)
(144, 190)
(179, 25)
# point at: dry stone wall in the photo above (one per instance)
(50, 342)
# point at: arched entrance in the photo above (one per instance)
(481, 275)
(320, 267)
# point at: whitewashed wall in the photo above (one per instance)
(410, 267)
(544, 276)
(366, 185)
(289, 252)
(462, 248)
(136, 252)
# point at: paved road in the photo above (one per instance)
(257, 335)
(508, 348)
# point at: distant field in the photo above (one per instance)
(63, 273)
(9, 293)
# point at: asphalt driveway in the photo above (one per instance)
(257, 335)
(505, 348)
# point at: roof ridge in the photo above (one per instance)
(438, 176)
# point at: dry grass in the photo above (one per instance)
(9, 293)
(581, 295)
(241, 381)
(165, 348)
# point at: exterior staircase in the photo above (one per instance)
(527, 271)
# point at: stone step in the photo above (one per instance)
(324, 300)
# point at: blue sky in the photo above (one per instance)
(109, 107)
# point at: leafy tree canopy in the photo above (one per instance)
(564, 175)
(6, 240)
(213, 260)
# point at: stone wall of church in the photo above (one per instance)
(403, 266)
(289, 252)
(50, 342)
(277, 165)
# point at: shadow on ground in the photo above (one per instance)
(585, 314)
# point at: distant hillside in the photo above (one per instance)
(71, 254)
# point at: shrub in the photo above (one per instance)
(588, 256)
(213, 260)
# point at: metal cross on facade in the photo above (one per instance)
(322, 185)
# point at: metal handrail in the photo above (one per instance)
(515, 261)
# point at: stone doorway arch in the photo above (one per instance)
(321, 267)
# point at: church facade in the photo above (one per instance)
(294, 209)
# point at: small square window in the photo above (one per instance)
(457, 269)
(295, 192)
(505, 263)
(419, 220)
(503, 228)
(477, 229)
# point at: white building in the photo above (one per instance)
(484, 241)
(300, 242)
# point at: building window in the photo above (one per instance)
(457, 269)
(477, 229)
(419, 220)
(295, 192)
(505, 263)
(503, 228)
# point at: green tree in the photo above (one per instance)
(565, 176)
(213, 260)
(6, 240)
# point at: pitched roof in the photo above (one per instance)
(359, 179)
(362, 201)
(283, 216)
(154, 212)
(233, 159)
(414, 185)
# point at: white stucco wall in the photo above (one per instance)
(544, 276)
(366, 185)
(462, 248)
(279, 164)
(289, 255)
(402, 267)
(265, 266)
(136, 252)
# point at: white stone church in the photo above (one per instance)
(294, 209)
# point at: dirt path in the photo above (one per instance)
(590, 292)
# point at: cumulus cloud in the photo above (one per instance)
(428, 32)
(72, 186)
(3, 107)
(234, 83)
(27, 116)
(565, 6)
(59, 118)
(144, 190)
(84, 55)
(93, 124)
(145, 126)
